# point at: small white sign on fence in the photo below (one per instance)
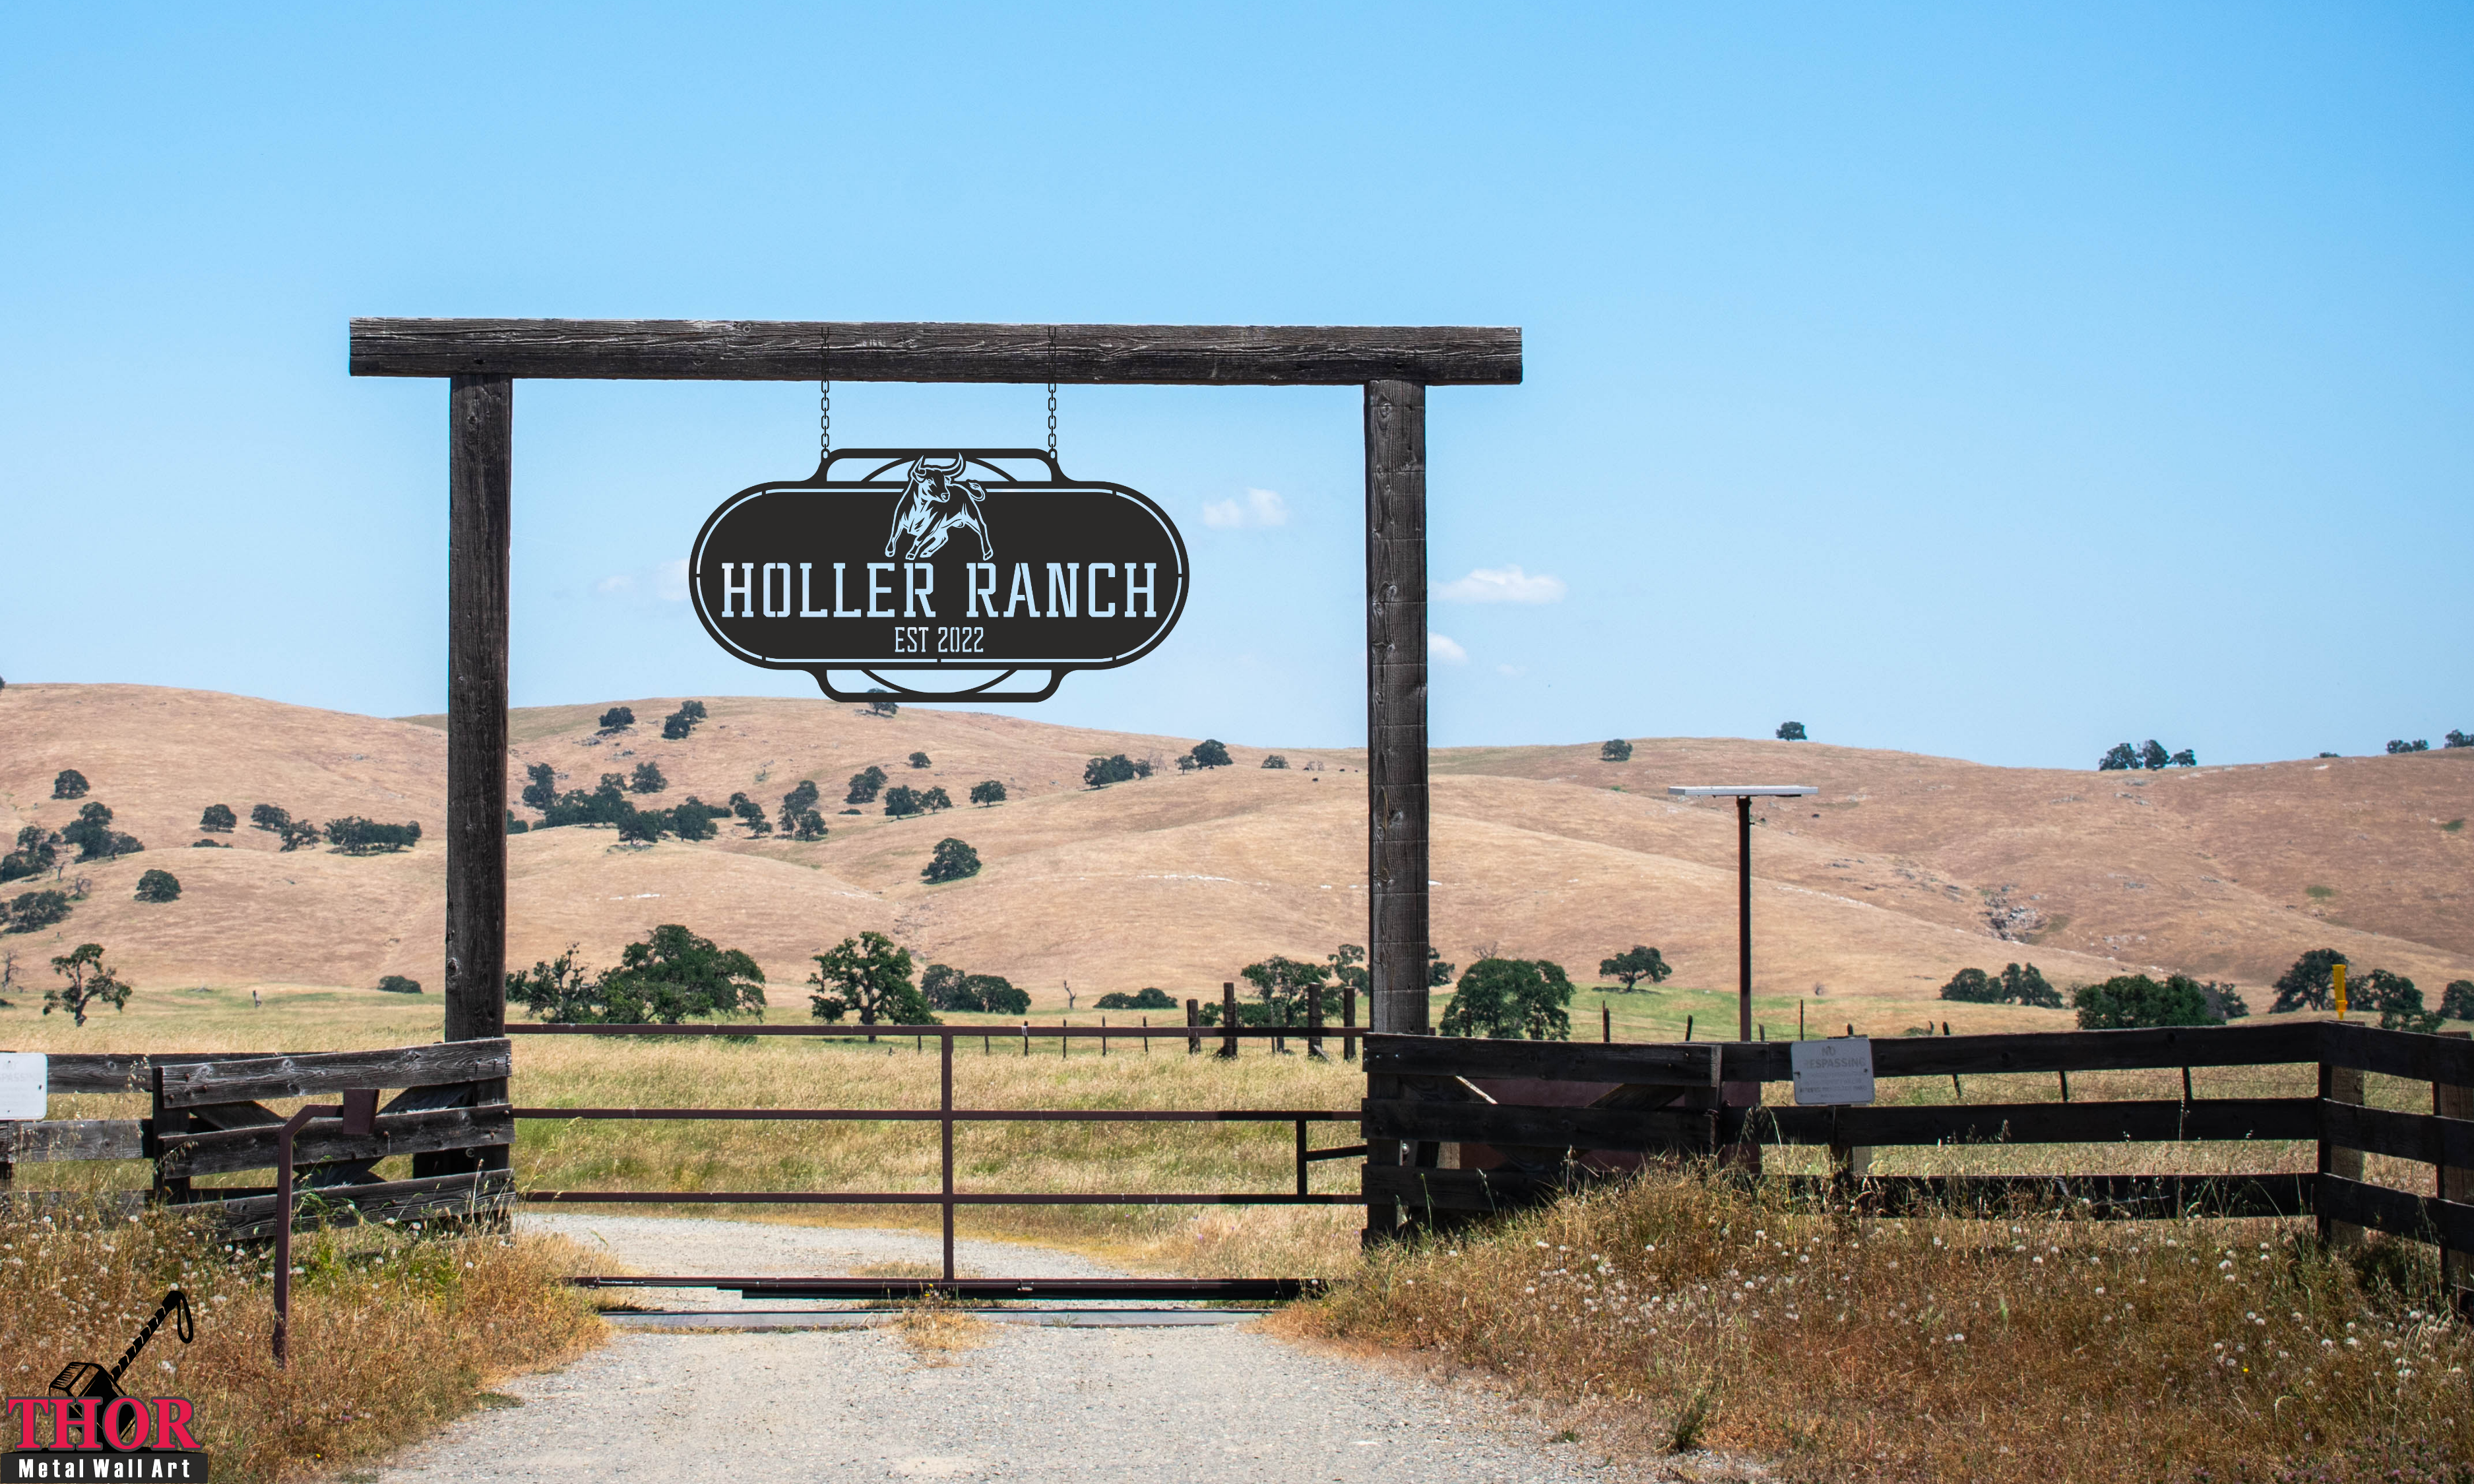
(1832, 1071)
(25, 1084)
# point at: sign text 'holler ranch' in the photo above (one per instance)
(978, 564)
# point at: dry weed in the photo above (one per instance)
(394, 1331)
(2034, 1349)
(936, 1332)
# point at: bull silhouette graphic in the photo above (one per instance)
(936, 503)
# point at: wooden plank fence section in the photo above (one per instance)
(110, 1071)
(1494, 1102)
(37, 1203)
(2161, 1121)
(2398, 1213)
(73, 1139)
(2142, 1197)
(207, 1120)
(2054, 1051)
(254, 1078)
(2424, 1136)
(471, 1194)
(1651, 1065)
(1557, 1128)
(222, 1152)
(2445, 1060)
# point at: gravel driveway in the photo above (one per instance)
(1218, 1402)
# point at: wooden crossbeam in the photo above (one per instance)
(801, 350)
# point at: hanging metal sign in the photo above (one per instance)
(923, 561)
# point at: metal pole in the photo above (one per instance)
(946, 1042)
(1744, 916)
(359, 1112)
(283, 1229)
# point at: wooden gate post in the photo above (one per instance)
(480, 455)
(2456, 1183)
(1395, 706)
(479, 458)
(2338, 1084)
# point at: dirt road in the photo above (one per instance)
(1218, 1402)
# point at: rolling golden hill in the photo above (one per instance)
(1904, 869)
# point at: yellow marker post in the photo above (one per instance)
(2337, 977)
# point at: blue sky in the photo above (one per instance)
(2001, 382)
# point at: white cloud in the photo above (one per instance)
(1502, 584)
(1259, 508)
(671, 581)
(667, 581)
(1441, 647)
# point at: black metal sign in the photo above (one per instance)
(925, 561)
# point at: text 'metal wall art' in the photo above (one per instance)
(940, 565)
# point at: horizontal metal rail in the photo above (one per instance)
(921, 1198)
(1016, 1031)
(945, 1117)
(986, 1288)
(957, 1116)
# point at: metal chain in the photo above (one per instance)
(825, 401)
(1051, 393)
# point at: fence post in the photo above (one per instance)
(172, 1121)
(1382, 1217)
(2456, 1183)
(1349, 1021)
(1849, 1164)
(1313, 1033)
(1193, 1036)
(1228, 1020)
(2337, 1085)
(945, 1045)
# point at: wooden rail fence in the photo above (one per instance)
(1458, 1128)
(210, 1117)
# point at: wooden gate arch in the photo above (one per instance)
(483, 359)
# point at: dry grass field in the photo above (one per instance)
(393, 1333)
(1866, 900)
(1678, 1314)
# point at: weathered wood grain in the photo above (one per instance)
(73, 1139)
(113, 1071)
(222, 1152)
(37, 1203)
(1397, 804)
(236, 1079)
(795, 350)
(1667, 1064)
(486, 1194)
(480, 454)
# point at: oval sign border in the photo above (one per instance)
(884, 459)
